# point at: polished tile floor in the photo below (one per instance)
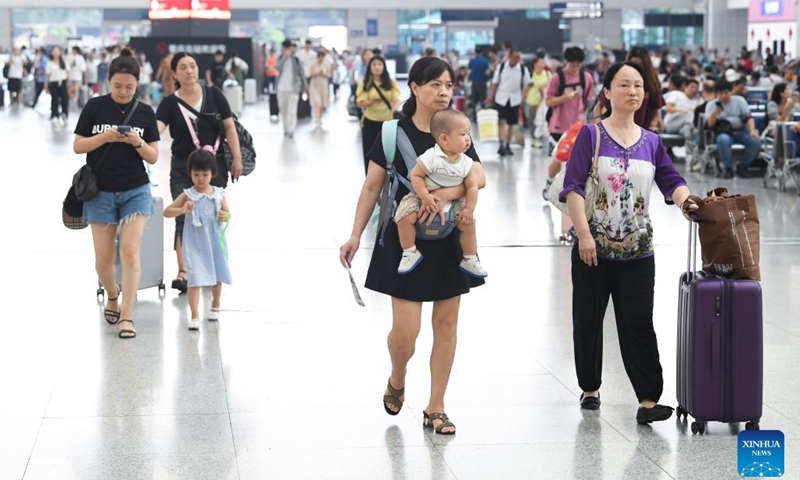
(288, 384)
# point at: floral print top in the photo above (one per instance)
(621, 224)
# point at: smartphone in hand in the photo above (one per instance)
(124, 129)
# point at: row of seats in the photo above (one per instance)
(779, 150)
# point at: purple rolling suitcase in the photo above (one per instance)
(720, 347)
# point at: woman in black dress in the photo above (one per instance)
(438, 278)
(214, 123)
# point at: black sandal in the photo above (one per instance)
(428, 418)
(114, 314)
(127, 332)
(393, 398)
(180, 283)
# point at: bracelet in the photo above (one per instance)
(140, 145)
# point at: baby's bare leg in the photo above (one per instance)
(406, 230)
(469, 239)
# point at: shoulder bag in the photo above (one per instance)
(590, 190)
(729, 233)
(395, 114)
(84, 182)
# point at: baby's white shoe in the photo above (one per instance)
(194, 324)
(213, 315)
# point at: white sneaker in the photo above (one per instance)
(213, 315)
(194, 324)
(473, 268)
(409, 262)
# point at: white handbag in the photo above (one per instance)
(591, 184)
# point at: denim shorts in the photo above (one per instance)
(114, 207)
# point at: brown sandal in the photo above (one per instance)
(393, 398)
(127, 332)
(112, 316)
(428, 418)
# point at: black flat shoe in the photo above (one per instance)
(180, 283)
(590, 403)
(655, 414)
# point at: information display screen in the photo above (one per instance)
(211, 9)
(578, 9)
(170, 9)
(190, 9)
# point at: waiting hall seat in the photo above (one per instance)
(784, 162)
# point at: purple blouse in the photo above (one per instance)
(621, 224)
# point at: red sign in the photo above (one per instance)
(169, 9)
(184, 9)
(211, 9)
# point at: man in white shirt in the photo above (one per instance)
(510, 85)
(307, 56)
(680, 106)
(236, 68)
(16, 70)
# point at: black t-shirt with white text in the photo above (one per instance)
(122, 168)
(215, 109)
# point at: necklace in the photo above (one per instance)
(622, 135)
(122, 108)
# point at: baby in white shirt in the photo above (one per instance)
(444, 165)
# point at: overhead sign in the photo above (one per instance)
(211, 9)
(578, 9)
(772, 11)
(372, 27)
(169, 9)
(185, 9)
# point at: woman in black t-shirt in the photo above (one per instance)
(438, 278)
(215, 115)
(115, 153)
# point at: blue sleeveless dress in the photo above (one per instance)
(205, 263)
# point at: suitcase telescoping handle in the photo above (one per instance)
(691, 260)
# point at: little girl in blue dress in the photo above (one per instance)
(204, 254)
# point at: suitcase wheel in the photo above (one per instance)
(162, 290)
(698, 427)
(101, 293)
(752, 426)
(680, 411)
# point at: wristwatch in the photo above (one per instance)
(141, 144)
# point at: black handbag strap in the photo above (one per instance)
(382, 97)
(124, 122)
(191, 108)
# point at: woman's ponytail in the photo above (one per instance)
(410, 106)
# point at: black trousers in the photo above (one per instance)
(477, 96)
(370, 131)
(39, 90)
(58, 97)
(631, 286)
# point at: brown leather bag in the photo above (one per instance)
(729, 233)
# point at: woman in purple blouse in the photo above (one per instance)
(614, 254)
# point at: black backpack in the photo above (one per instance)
(246, 147)
(562, 86)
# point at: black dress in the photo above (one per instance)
(437, 277)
